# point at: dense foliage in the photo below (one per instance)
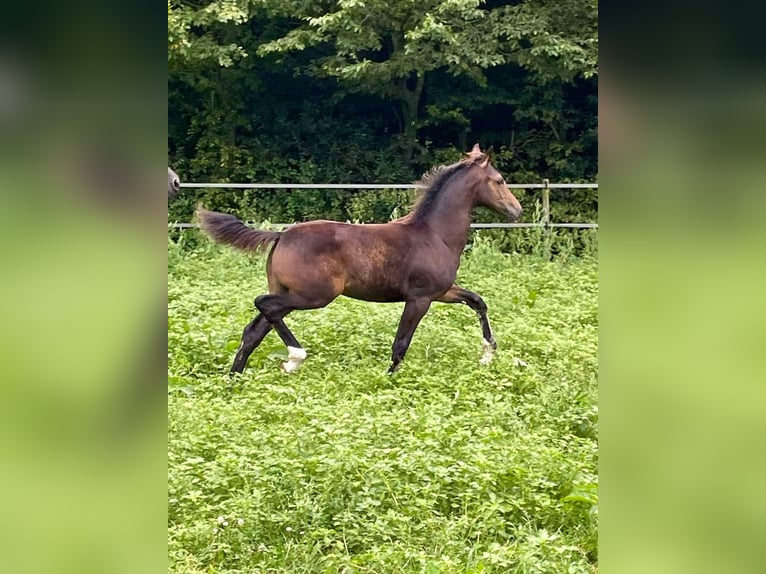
(446, 467)
(377, 91)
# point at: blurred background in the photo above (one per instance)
(82, 320)
(682, 279)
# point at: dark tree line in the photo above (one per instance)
(377, 91)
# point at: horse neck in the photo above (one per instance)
(450, 217)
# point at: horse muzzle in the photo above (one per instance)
(513, 212)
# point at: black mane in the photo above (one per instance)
(433, 181)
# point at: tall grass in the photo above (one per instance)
(446, 467)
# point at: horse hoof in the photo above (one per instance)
(489, 352)
(295, 356)
(289, 367)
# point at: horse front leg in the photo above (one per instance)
(413, 312)
(457, 294)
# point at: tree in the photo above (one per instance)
(556, 41)
(196, 34)
(373, 91)
(387, 47)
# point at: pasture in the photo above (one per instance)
(445, 467)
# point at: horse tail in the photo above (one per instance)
(227, 229)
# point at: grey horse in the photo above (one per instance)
(174, 183)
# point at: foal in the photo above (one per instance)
(412, 259)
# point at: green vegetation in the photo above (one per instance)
(445, 467)
(377, 91)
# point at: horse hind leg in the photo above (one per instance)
(275, 307)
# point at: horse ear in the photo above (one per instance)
(476, 149)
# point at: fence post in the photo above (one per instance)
(546, 203)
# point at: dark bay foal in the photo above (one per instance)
(413, 259)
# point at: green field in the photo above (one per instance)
(447, 466)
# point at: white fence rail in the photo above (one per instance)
(546, 186)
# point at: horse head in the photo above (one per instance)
(174, 183)
(493, 192)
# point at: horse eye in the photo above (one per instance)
(499, 181)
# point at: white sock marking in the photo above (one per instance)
(489, 352)
(295, 356)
